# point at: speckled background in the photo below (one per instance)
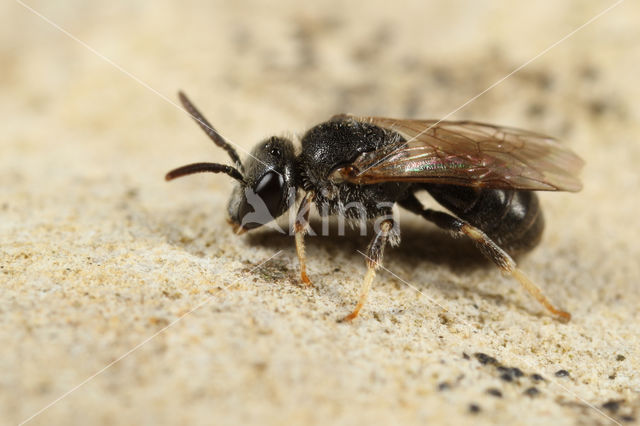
(98, 254)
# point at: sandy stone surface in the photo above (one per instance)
(128, 300)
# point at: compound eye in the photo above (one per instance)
(270, 189)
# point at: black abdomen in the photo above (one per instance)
(511, 218)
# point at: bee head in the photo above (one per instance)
(266, 180)
(267, 189)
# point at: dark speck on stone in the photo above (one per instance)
(474, 408)
(562, 373)
(512, 371)
(537, 377)
(598, 107)
(444, 386)
(506, 377)
(532, 391)
(590, 73)
(535, 110)
(485, 359)
(494, 392)
(627, 418)
(516, 372)
(620, 358)
(465, 356)
(611, 405)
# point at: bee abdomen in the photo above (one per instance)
(511, 218)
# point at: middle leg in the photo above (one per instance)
(374, 260)
(300, 228)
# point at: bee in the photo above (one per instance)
(484, 175)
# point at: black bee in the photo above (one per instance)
(484, 174)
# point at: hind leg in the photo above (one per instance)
(489, 248)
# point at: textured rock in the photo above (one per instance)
(102, 263)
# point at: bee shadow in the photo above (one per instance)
(420, 244)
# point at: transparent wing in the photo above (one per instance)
(469, 154)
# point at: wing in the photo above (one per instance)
(466, 153)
